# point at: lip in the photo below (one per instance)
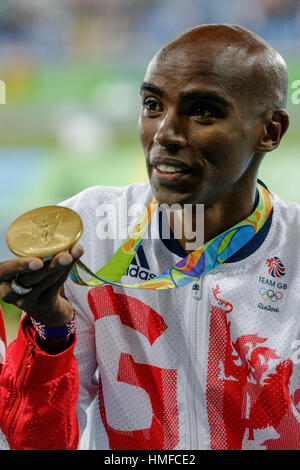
(168, 177)
(164, 175)
(155, 162)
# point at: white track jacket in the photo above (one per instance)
(214, 364)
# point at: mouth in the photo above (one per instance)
(170, 170)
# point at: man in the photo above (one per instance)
(209, 364)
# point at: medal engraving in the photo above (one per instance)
(44, 229)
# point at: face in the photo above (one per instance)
(196, 129)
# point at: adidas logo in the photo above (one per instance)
(139, 267)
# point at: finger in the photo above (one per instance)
(46, 283)
(41, 299)
(65, 258)
(54, 281)
(61, 260)
(77, 251)
(51, 289)
(9, 295)
(9, 269)
(31, 300)
(51, 284)
(60, 263)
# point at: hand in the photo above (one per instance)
(44, 302)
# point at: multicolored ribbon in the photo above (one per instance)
(190, 268)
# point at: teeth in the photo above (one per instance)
(168, 168)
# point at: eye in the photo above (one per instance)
(204, 110)
(152, 105)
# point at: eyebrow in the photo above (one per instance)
(146, 86)
(193, 94)
(205, 95)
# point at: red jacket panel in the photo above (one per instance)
(38, 395)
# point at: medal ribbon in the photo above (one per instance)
(199, 262)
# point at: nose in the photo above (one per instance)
(170, 133)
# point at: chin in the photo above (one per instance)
(170, 198)
(175, 192)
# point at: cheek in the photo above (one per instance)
(222, 148)
(140, 128)
(145, 133)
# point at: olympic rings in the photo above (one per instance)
(270, 294)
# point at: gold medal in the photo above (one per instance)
(45, 231)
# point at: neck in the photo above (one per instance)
(198, 227)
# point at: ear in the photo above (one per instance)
(274, 127)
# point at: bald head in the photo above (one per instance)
(243, 61)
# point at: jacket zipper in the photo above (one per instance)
(196, 294)
(20, 381)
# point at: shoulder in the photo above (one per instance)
(95, 196)
(287, 211)
(106, 211)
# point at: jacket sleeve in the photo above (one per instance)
(38, 395)
(2, 340)
(3, 442)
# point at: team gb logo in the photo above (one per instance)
(275, 267)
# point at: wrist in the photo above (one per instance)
(46, 332)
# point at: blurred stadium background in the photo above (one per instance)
(72, 70)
